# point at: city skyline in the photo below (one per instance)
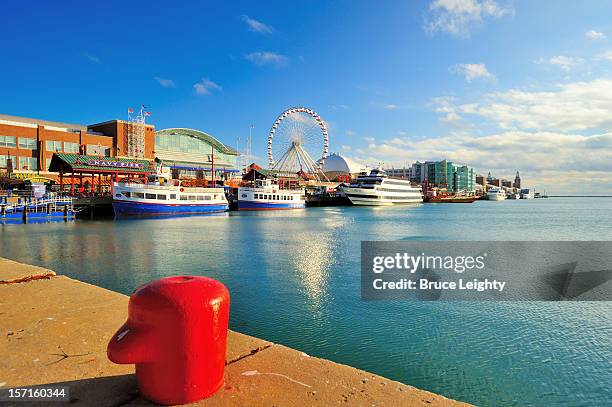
(496, 85)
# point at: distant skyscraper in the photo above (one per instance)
(489, 177)
(517, 180)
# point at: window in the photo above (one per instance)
(172, 196)
(47, 163)
(208, 197)
(184, 197)
(200, 197)
(139, 195)
(192, 197)
(55, 146)
(28, 163)
(163, 197)
(97, 149)
(8, 141)
(27, 143)
(4, 161)
(125, 194)
(150, 196)
(71, 147)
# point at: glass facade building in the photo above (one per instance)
(189, 154)
(445, 174)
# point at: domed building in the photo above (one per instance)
(337, 165)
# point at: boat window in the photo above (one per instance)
(150, 196)
(163, 197)
(184, 197)
(126, 194)
(265, 196)
(118, 195)
(200, 197)
(208, 197)
(192, 197)
(139, 195)
(172, 196)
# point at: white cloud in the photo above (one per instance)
(390, 106)
(205, 87)
(604, 56)
(550, 160)
(339, 107)
(93, 58)
(595, 35)
(346, 148)
(445, 105)
(257, 26)
(457, 17)
(472, 71)
(349, 133)
(166, 83)
(568, 107)
(564, 62)
(369, 139)
(267, 58)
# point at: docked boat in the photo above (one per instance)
(158, 198)
(527, 193)
(496, 194)
(377, 188)
(264, 194)
(452, 198)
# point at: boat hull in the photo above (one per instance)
(468, 199)
(125, 208)
(496, 197)
(268, 206)
(369, 197)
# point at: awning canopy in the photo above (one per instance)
(65, 162)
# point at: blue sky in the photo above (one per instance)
(500, 85)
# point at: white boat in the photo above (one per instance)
(377, 188)
(527, 193)
(159, 197)
(264, 194)
(496, 194)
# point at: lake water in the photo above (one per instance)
(294, 278)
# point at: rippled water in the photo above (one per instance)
(294, 279)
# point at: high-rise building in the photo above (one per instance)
(517, 181)
(444, 174)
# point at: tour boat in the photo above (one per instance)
(161, 198)
(377, 188)
(527, 193)
(263, 194)
(496, 194)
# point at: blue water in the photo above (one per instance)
(294, 278)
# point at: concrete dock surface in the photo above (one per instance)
(55, 331)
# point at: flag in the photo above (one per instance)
(130, 110)
(147, 113)
(143, 106)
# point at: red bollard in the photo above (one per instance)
(175, 333)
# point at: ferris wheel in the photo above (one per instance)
(298, 142)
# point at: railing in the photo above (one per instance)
(35, 205)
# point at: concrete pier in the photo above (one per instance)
(55, 331)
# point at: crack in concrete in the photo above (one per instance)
(253, 352)
(27, 279)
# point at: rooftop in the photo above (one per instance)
(17, 120)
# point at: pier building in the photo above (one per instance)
(27, 145)
(194, 154)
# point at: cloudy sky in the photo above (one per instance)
(500, 85)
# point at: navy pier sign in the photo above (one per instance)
(114, 164)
